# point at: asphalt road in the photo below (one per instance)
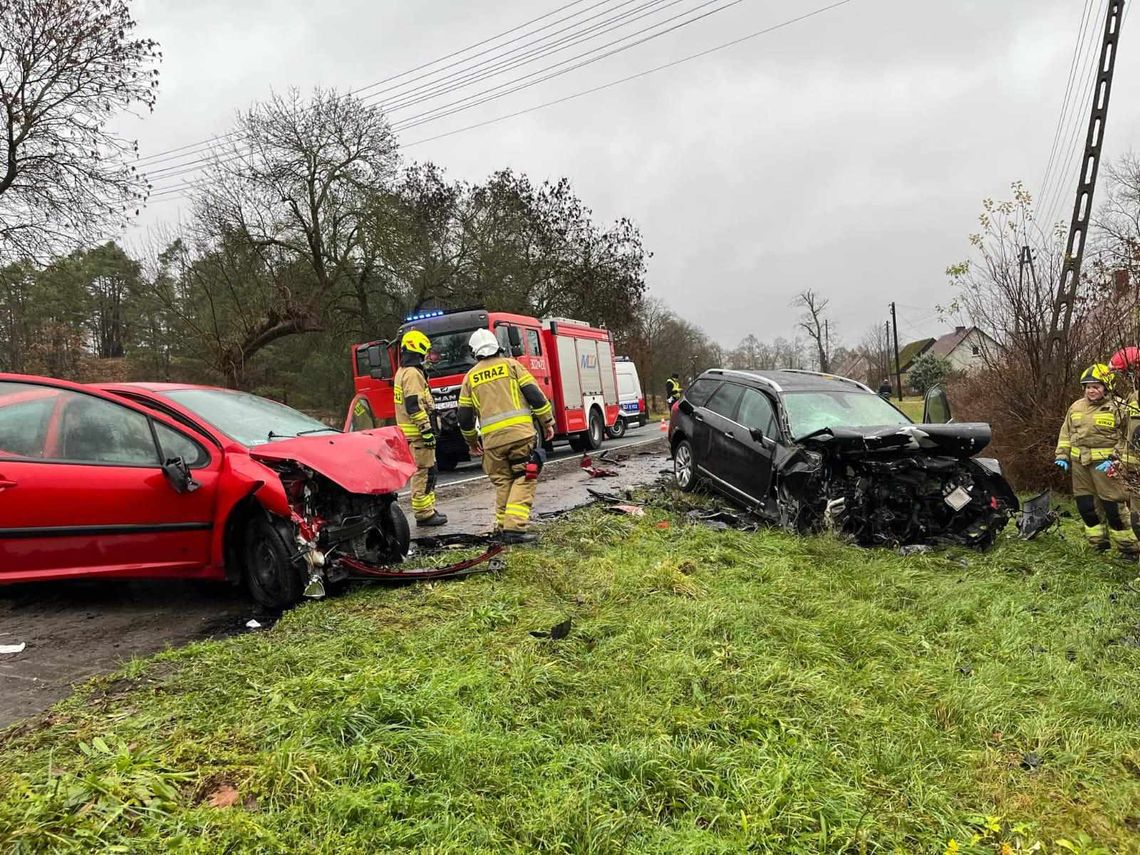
(76, 630)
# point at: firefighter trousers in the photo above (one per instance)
(514, 494)
(1089, 486)
(423, 482)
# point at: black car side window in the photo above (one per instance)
(700, 390)
(724, 400)
(756, 411)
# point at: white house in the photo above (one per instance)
(965, 348)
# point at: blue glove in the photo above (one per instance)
(1104, 467)
(1063, 465)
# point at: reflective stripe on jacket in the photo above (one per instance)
(1092, 432)
(503, 396)
(411, 385)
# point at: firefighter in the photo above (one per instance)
(673, 389)
(414, 411)
(1088, 445)
(506, 400)
(1126, 361)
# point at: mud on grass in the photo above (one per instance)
(717, 692)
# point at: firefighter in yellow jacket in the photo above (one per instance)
(506, 400)
(414, 406)
(1089, 444)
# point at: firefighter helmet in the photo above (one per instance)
(484, 343)
(415, 341)
(1124, 359)
(1098, 373)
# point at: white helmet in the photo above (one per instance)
(484, 343)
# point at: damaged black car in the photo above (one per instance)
(813, 452)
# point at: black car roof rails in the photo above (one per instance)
(838, 377)
(747, 375)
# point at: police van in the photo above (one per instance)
(631, 400)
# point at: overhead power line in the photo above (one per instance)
(425, 93)
(1065, 101)
(525, 81)
(174, 192)
(161, 154)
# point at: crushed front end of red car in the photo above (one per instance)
(341, 492)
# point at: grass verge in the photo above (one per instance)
(718, 692)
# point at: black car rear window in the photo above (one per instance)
(724, 400)
(700, 390)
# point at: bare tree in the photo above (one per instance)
(300, 187)
(67, 67)
(814, 322)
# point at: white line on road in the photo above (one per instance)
(480, 477)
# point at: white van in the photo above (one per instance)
(631, 400)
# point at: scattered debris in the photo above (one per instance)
(596, 471)
(602, 496)
(482, 563)
(556, 632)
(720, 520)
(628, 510)
(252, 624)
(966, 670)
(223, 797)
(12, 648)
(664, 524)
(1037, 516)
(1030, 761)
(915, 549)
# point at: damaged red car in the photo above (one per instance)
(157, 480)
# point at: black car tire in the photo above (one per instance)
(685, 467)
(446, 464)
(618, 430)
(272, 577)
(399, 530)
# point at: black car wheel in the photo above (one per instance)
(399, 531)
(685, 466)
(446, 464)
(618, 430)
(271, 576)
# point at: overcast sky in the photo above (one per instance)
(847, 153)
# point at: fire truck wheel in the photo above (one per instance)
(595, 433)
(618, 430)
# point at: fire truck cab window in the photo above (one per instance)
(533, 343)
(504, 342)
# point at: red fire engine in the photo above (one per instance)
(572, 362)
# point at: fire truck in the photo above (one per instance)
(572, 362)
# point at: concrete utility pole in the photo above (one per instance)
(1061, 320)
(898, 368)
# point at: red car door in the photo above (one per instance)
(83, 492)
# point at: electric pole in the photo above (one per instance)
(1062, 317)
(898, 368)
(826, 346)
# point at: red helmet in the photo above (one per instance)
(1125, 358)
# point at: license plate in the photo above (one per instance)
(958, 499)
(447, 405)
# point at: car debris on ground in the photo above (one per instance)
(1037, 516)
(12, 649)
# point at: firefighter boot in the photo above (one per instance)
(1098, 537)
(1126, 543)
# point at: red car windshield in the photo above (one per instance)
(248, 419)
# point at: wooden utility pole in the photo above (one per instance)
(1062, 316)
(898, 368)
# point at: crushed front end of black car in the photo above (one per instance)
(895, 486)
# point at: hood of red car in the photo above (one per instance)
(367, 461)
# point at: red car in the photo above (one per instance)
(167, 480)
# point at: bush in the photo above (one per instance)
(1025, 415)
(928, 370)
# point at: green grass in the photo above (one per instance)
(719, 692)
(912, 407)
